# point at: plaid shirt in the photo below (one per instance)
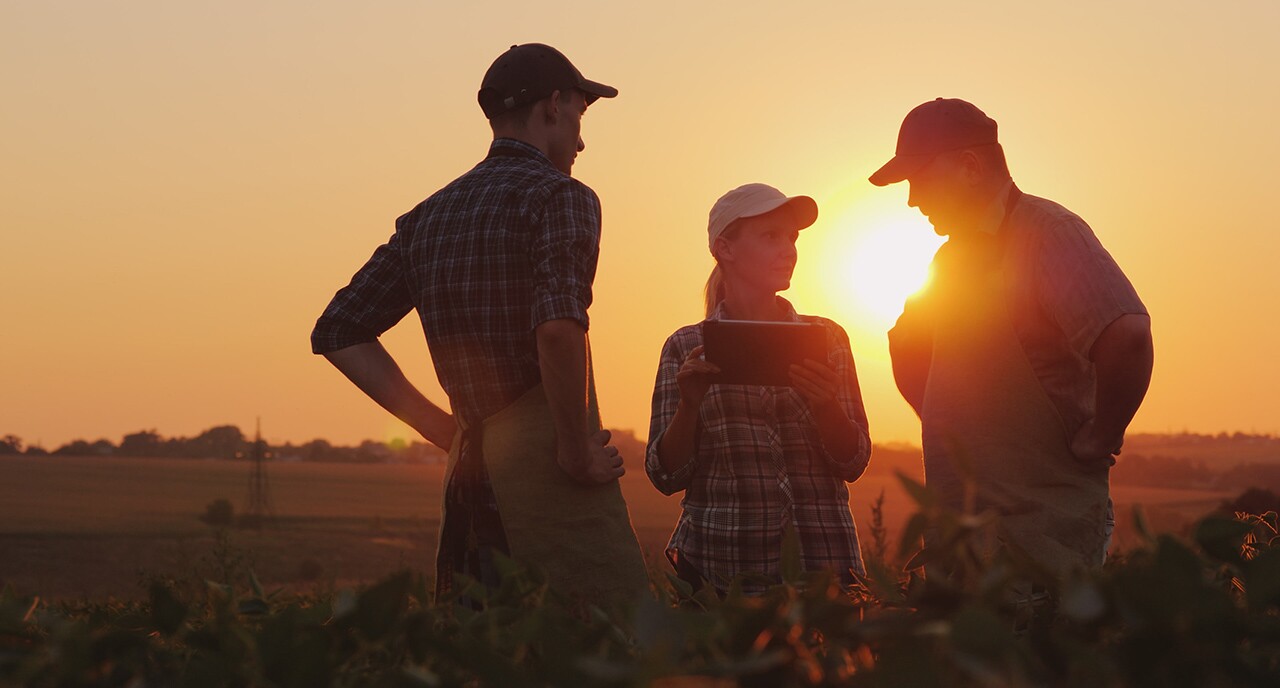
(759, 468)
(505, 247)
(1068, 289)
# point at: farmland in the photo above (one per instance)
(98, 526)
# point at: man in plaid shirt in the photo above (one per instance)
(499, 265)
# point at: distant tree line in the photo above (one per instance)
(1178, 472)
(227, 442)
(1184, 438)
(1148, 459)
(1222, 470)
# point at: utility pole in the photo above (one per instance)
(260, 507)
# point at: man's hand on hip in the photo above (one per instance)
(595, 462)
(1094, 449)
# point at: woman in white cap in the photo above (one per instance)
(756, 462)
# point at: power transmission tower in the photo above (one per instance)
(260, 508)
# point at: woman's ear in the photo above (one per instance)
(722, 249)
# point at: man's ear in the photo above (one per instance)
(553, 106)
(971, 167)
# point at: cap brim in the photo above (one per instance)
(595, 89)
(801, 209)
(899, 168)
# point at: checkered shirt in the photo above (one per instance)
(505, 247)
(760, 467)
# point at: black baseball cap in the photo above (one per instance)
(530, 72)
(938, 126)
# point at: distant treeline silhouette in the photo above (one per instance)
(1182, 460)
(227, 442)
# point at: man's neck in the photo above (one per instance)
(524, 137)
(988, 211)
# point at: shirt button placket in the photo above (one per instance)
(770, 402)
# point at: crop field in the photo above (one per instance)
(99, 527)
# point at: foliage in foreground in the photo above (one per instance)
(1172, 613)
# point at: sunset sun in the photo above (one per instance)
(869, 259)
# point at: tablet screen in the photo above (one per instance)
(752, 352)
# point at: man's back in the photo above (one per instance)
(511, 243)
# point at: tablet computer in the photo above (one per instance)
(753, 352)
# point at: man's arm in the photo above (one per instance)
(376, 373)
(1122, 358)
(911, 354)
(562, 359)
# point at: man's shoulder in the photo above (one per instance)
(517, 179)
(518, 184)
(1044, 214)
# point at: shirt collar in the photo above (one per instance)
(994, 215)
(788, 311)
(515, 148)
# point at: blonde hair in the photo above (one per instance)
(714, 292)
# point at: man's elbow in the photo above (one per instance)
(555, 334)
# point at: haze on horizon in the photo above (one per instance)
(184, 186)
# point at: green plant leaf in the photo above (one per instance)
(253, 607)
(918, 492)
(1262, 580)
(1221, 538)
(379, 607)
(167, 611)
(256, 586)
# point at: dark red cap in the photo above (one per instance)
(938, 126)
(530, 72)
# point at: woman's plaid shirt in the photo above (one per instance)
(760, 467)
(505, 247)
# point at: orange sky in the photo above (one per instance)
(184, 185)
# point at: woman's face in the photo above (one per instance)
(760, 251)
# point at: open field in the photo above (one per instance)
(94, 526)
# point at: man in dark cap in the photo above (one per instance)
(1027, 354)
(499, 265)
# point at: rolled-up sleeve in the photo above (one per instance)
(1079, 284)
(376, 299)
(565, 250)
(666, 397)
(849, 396)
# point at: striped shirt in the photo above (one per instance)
(507, 246)
(759, 468)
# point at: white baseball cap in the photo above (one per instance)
(751, 200)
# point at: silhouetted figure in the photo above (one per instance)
(499, 265)
(757, 461)
(1027, 354)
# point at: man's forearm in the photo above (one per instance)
(1122, 356)
(562, 359)
(376, 373)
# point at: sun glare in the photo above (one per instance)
(865, 262)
